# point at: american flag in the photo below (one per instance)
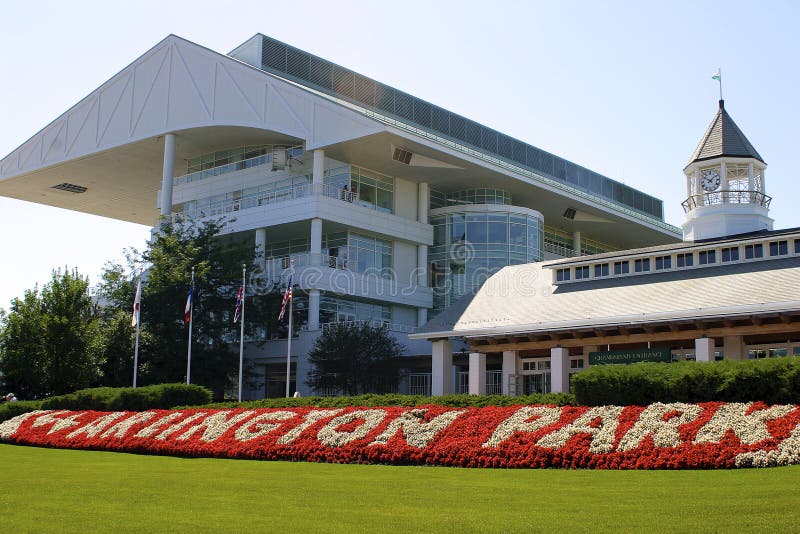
(287, 297)
(239, 303)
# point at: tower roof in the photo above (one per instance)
(724, 138)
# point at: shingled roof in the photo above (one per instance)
(724, 138)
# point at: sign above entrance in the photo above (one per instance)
(659, 354)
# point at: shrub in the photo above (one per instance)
(774, 381)
(160, 396)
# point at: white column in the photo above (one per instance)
(704, 349)
(318, 171)
(261, 243)
(442, 367)
(167, 174)
(313, 309)
(559, 370)
(510, 367)
(423, 202)
(477, 373)
(576, 243)
(733, 348)
(422, 316)
(316, 240)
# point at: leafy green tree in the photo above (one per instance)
(47, 345)
(356, 358)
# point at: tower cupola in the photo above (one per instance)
(725, 184)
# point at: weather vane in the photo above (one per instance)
(718, 76)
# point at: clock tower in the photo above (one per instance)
(725, 184)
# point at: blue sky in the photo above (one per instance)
(623, 88)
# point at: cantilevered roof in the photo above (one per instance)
(724, 138)
(523, 299)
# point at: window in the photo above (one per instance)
(708, 256)
(719, 356)
(796, 351)
(621, 267)
(581, 272)
(797, 246)
(779, 248)
(576, 363)
(601, 269)
(730, 254)
(685, 260)
(756, 354)
(562, 275)
(690, 357)
(777, 353)
(641, 265)
(663, 262)
(754, 251)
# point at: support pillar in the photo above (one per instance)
(733, 348)
(316, 241)
(318, 169)
(261, 244)
(510, 371)
(704, 349)
(576, 243)
(477, 373)
(559, 370)
(442, 367)
(423, 203)
(167, 175)
(313, 309)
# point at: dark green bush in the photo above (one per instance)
(13, 409)
(774, 380)
(394, 399)
(160, 396)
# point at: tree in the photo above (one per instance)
(355, 358)
(47, 344)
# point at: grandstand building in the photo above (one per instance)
(390, 209)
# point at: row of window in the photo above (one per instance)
(682, 260)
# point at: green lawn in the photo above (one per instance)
(49, 490)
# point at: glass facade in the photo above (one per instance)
(469, 196)
(335, 310)
(470, 246)
(369, 189)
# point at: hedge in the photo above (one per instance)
(160, 396)
(396, 399)
(773, 381)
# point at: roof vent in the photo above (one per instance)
(570, 213)
(70, 188)
(402, 155)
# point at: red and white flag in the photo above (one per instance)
(287, 297)
(187, 311)
(137, 302)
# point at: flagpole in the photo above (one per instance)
(136, 352)
(241, 334)
(191, 318)
(719, 71)
(289, 340)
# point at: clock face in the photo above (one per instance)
(709, 179)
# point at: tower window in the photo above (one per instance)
(621, 267)
(778, 248)
(754, 251)
(641, 265)
(685, 260)
(730, 254)
(707, 256)
(663, 262)
(601, 269)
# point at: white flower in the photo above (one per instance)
(260, 427)
(328, 435)
(651, 422)
(417, 433)
(750, 428)
(518, 422)
(602, 436)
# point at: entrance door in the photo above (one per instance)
(536, 376)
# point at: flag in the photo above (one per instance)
(187, 311)
(239, 303)
(137, 301)
(287, 297)
(716, 76)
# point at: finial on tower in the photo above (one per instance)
(718, 76)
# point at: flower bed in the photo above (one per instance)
(659, 436)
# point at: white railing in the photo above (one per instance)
(419, 384)
(561, 250)
(494, 382)
(377, 323)
(723, 196)
(236, 166)
(265, 199)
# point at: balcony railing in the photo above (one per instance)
(265, 199)
(377, 323)
(235, 166)
(713, 198)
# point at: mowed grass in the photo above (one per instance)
(51, 490)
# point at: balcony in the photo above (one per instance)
(713, 198)
(270, 158)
